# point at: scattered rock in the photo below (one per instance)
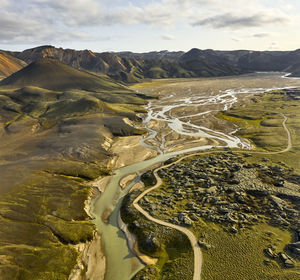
(269, 251)
(223, 210)
(151, 243)
(233, 229)
(295, 248)
(289, 264)
(287, 261)
(204, 245)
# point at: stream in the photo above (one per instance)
(121, 264)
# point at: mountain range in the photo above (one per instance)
(133, 67)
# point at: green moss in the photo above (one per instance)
(70, 232)
(241, 256)
(39, 219)
(73, 170)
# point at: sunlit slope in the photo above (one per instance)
(50, 73)
(9, 64)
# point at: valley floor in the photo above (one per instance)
(63, 154)
(245, 216)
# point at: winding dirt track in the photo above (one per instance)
(196, 248)
(198, 259)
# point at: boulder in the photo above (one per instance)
(223, 210)
(283, 256)
(270, 253)
(287, 261)
(233, 229)
(240, 198)
(295, 248)
(234, 182)
(204, 245)
(184, 219)
(289, 264)
(151, 243)
(277, 202)
(187, 221)
(194, 217)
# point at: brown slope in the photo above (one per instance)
(9, 64)
(83, 59)
(50, 73)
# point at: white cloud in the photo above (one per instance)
(168, 37)
(261, 35)
(232, 21)
(34, 21)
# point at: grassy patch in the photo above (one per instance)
(39, 219)
(241, 256)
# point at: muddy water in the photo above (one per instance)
(220, 93)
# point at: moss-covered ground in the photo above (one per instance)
(52, 144)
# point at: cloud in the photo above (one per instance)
(42, 21)
(273, 46)
(231, 21)
(168, 37)
(261, 35)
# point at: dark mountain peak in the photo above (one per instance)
(196, 54)
(193, 51)
(40, 48)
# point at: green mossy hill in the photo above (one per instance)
(77, 107)
(49, 107)
(32, 94)
(50, 73)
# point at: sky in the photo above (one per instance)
(153, 25)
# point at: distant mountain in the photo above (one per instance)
(9, 64)
(50, 73)
(207, 63)
(134, 67)
(268, 60)
(161, 55)
(294, 70)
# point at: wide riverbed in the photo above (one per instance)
(182, 104)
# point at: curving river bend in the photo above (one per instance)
(178, 111)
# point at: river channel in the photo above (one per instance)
(208, 95)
